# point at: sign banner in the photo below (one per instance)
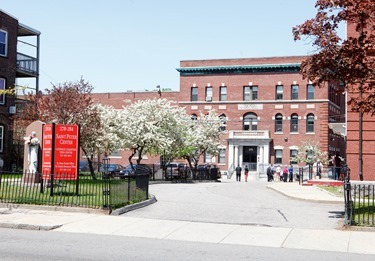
(66, 152)
(47, 151)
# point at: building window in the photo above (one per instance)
(310, 123)
(208, 93)
(194, 117)
(194, 93)
(293, 155)
(222, 154)
(279, 123)
(279, 92)
(278, 156)
(294, 123)
(223, 122)
(223, 93)
(2, 87)
(294, 92)
(207, 158)
(250, 93)
(310, 91)
(1, 138)
(3, 43)
(250, 122)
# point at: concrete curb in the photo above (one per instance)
(29, 227)
(306, 199)
(131, 207)
(12, 206)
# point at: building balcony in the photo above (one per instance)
(248, 134)
(27, 66)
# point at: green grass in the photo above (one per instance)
(335, 190)
(64, 193)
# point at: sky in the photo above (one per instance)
(135, 45)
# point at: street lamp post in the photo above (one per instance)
(159, 90)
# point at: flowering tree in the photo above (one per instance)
(150, 126)
(309, 152)
(67, 103)
(202, 136)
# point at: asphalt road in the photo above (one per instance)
(248, 203)
(42, 245)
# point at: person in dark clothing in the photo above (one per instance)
(238, 173)
(269, 174)
(246, 173)
(291, 173)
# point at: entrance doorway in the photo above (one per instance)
(250, 157)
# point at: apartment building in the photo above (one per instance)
(14, 65)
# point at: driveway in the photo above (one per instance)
(230, 202)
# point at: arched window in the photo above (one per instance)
(194, 117)
(250, 121)
(279, 122)
(294, 123)
(223, 120)
(310, 122)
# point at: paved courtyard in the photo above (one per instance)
(246, 203)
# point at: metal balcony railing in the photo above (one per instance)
(27, 64)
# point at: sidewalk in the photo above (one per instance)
(73, 222)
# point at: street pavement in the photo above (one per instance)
(96, 222)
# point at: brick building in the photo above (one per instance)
(360, 137)
(14, 65)
(267, 107)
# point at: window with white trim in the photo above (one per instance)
(278, 156)
(279, 92)
(222, 154)
(1, 138)
(2, 87)
(3, 43)
(294, 123)
(250, 121)
(310, 91)
(279, 122)
(294, 91)
(310, 123)
(250, 93)
(194, 93)
(223, 93)
(223, 122)
(208, 93)
(293, 154)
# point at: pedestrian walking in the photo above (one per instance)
(290, 173)
(270, 173)
(278, 173)
(246, 173)
(285, 173)
(238, 173)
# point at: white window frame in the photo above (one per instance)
(1, 138)
(5, 43)
(2, 87)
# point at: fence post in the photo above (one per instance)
(348, 200)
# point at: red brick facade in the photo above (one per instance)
(8, 26)
(353, 139)
(250, 137)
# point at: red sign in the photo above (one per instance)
(66, 152)
(47, 151)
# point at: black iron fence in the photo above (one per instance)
(100, 191)
(360, 210)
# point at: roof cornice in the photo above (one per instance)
(239, 69)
